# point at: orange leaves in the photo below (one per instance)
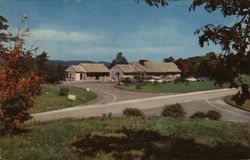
(19, 83)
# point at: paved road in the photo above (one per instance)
(107, 93)
(193, 102)
(229, 113)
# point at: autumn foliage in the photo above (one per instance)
(19, 84)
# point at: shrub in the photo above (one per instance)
(155, 83)
(179, 80)
(138, 86)
(213, 115)
(107, 115)
(175, 110)
(63, 91)
(132, 112)
(164, 82)
(199, 114)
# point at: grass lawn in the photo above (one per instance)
(180, 87)
(128, 138)
(174, 87)
(51, 100)
(245, 106)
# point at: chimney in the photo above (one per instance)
(142, 61)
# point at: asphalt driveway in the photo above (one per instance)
(107, 93)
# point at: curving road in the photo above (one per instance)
(229, 113)
(152, 105)
(107, 93)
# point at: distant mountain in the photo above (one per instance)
(68, 63)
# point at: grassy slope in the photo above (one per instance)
(175, 87)
(51, 100)
(245, 106)
(181, 87)
(131, 138)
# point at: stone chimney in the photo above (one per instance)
(142, 61)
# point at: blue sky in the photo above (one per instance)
(98, 29)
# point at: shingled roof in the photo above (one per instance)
(94, 67)
(158, 67)
(78, 68)
(126, 68)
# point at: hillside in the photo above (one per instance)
(75, 62)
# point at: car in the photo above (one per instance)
(202, 78)
(190, 79)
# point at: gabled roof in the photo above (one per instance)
(158, 67)
(94, 67)
(76, 68)
(126, 68)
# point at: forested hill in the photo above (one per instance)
(68, 63)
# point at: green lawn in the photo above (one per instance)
(51, 100)
(245, 106)
(174, 87)
(128, 138)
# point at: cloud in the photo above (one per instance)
(72, 0)
(153, 42)
(55, 35)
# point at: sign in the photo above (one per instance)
(72, 97)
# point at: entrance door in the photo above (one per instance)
(117, 75)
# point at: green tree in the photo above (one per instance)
(207, 64)
(3, 27)
(193, 65)
(233, 61)
(120, 59)
(169, 59)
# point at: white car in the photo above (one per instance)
(191, 79)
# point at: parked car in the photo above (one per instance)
(202, 78)
(190, 79)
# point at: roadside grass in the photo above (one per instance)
(129, 138)
(51, 100)
(174, 87)
(181, 87)
(245, 106)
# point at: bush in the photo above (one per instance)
(138, 86)
(63, 91)
(155, 83)
(132, 112)
(179, 80)
(107, 115)
(213, 115)
(199, 115)
(126, 80)
(175, 110)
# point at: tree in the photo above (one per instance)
(207, 64)
(3, 26)
(233, 61)
(193, 65)
(120, 59)
(54, 74)
(20, 80)
(169, 59)
(182, 65)
(17, 87)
